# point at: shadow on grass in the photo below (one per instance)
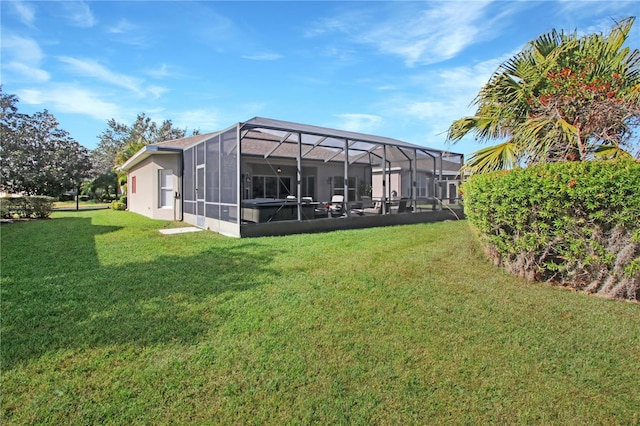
(66, 301)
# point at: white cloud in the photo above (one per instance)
(432, 100)
(89, 68)
(26, 13)
(386, 87)
(22, 49)
(469, 79)
(432, 35)
(346, 21)
(92, 69)
(31, 74)
(207, 120)
(79, 13)
(421, 32)
(166, 71)
(356, 122)
(162, 72)
(263, 57)
(429, 110)
(22, 57)
(68, 98)
(126, 32)
(592, 8)
(156, 91)
(123, 26)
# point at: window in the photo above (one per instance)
(133, 184)
(271, 186)
(421, 185)
(338, 186)
(424, 185)
(309, 186)
(166, 188)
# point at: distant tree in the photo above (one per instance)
(112, 140)
(120, 141)
(38, 158)
(101, 188)
(563, 98)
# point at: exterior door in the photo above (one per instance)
(200, 196)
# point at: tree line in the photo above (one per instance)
(39, 158)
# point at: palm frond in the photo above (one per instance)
(498, 157)
(611, 152)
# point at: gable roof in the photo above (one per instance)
(186, 141)
(174, 146)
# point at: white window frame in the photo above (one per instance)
(167, 191)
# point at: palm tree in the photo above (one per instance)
(562, 98)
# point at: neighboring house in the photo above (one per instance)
(265, 170)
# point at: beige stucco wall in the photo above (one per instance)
(146, 199)
(221, 227)
(394, 183)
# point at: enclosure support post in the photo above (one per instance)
(384, 179)
(434, 186)
(440, 183)
(299, 176)
(346, 176)
(414, 178)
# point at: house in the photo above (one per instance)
(265, 177)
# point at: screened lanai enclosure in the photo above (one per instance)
(271, 177)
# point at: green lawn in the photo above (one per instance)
(106, 321)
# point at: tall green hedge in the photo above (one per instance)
(575, 224)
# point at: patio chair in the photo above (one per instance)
(401, 208)
(356, 208)
(376, 209)
(336, 208)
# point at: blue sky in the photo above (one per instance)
(403, 69)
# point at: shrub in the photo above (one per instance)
(40, 206)
(37, 206)
(123, 199)
(576, 224)
(11, 207)
(117, 205)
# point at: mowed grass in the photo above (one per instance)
(106, 321)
